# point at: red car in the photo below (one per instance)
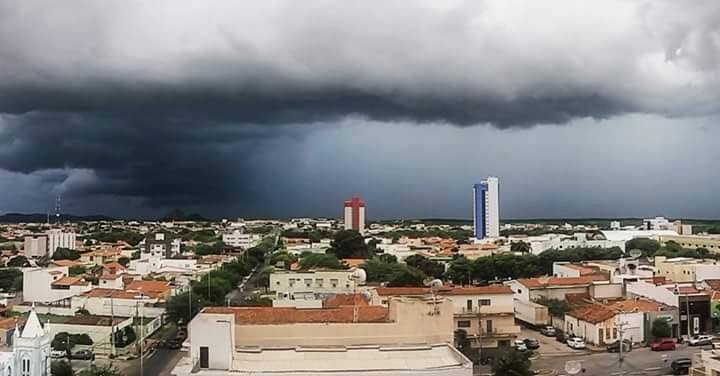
(663, 345)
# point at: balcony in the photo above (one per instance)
(500, 332)
(486, 310)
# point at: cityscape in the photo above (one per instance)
(396, 188)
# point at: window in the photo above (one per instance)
(308, 282)
(469, 305)
(489, 326)
(333, 282)
(519, 291)
(319, 282)
(291, 282)
(482, 302)
(25, 367)
(463, 324)
(615, 334)
(277, 283)
(504, 343)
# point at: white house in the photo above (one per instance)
(51, 285)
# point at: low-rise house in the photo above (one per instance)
(691, 300)
(288, 283)
(128, 303)
(685, 269)
(596, 323)
(100, 257)
(240, 239)
(342, 340)
(7, 329)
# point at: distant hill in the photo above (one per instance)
(179, 215)
(42, 218)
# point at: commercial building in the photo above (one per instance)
(240, 239)
(486, 209)
(691, 300)
(709, 242)
(343, 340)
(684, 269)
(485, 313)
(288, 283)
(35, 245)
(161, 244)
(60, 239)
(355, 215)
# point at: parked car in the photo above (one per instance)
(663, 345)
(615, 346)
(548, 331)
(701, 340)
(519, 345)
(576, 343)
(531, 343)
(174, 344)
(561, 337)
(681, 366)
(58, 354)
(83, 355)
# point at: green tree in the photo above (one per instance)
(61, 368)
(10, 279)
(520, 247)
(647, 246)
(178, 307)
(407, 277)
(348, 244)
(509, 362)
(378, 270)
(315, 260)
(18, 262)
(556, 307)
(388, 258)
(429, 267)
(257, 253)
(462, 342)
(65, 254)
(286, 258)
(135, 255)
(660, 328)
(43, 261)
(77, 270)
(460, 271)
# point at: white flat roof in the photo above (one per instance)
(441, 359)
(632, 234)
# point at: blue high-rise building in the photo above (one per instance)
(486, 211)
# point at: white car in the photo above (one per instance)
(57, 354)
(576, 343)
(519, 345)
(701, 340)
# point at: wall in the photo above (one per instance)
(635, 328)
(703, 272)
(320, 282)
(606, 291)
(648, 290)
(37, 285)
(520, 292)
(556, 293)
(99, 334)
(561, 270)
(499, 303)
(591, 332)
(407, 317)
(531, 313)
(119, 307)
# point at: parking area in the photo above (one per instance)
(549, 346)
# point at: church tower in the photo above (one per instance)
(32, 349)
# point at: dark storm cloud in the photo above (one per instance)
(170, 102)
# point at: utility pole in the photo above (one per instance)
(112, 327)
(687, 314)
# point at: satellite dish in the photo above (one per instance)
(358, 275)
(635, 253)
(436, 285)
(573, 367)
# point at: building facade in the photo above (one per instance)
(31, 351)
(486, 209)
(287, 283)
(240, 239)
(60, 239)
(35, 245)
(354, 210)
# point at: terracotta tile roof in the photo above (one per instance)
(446, 290)
(11, 322)
(283, 315)
(592, 313)
(67, 263)
(160, 287)
(353, 263)
(117, 294)
(713, 283)
(340, 300)
(632, 305)
(584, 270)
(70, 281)
(542, 282)
(110, 277)
(114, 266)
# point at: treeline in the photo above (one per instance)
(131, 237)
(458, 234)
(652, 248)
(314, 236)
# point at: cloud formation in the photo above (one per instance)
(162, 101)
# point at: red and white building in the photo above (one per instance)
(355, 215)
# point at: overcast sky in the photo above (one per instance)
(285, 108)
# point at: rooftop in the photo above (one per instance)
(542, 282)
(159, 287)
(592, 313)
(118, 294)
(445, 290)
(635, 305)
(333, 361)
(70, 281)
(291, 315)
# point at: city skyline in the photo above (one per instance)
(254, 111)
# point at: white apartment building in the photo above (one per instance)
(60, 239)
(240, 239)
(51, 285)
(345, 340)
(657, 223)
(311, 281)
(539, 244)
(35, 245)
(486, 208)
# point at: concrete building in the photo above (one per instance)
(343, 340)
(288, 283)
(486, 209)
(162, 244)
(52, 286)
(127, 303)
(684, 269)
(240, 239)
(60, 239)
(35, 245)
(354, 210)
(657, 223)
(709, 242)
(691, 300)
(485, 313)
